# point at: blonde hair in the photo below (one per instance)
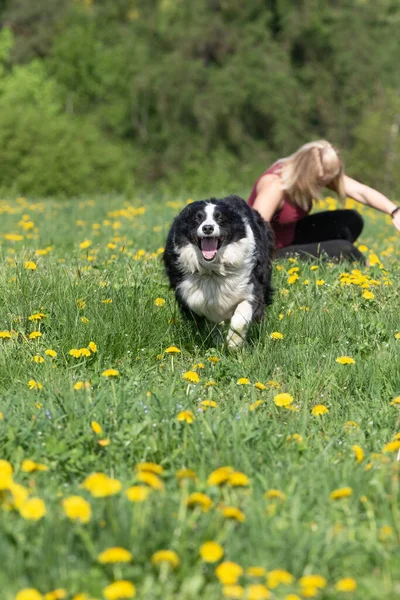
(303, 171)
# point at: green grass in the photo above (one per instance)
(303, 533)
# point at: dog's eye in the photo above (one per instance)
(217, 215)
(199, 216)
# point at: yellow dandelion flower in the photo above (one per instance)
(260, 386)
(110, 373)
(208, 404)
(84, 320)
(314, 267)
(292, 279)
(97, 428)
(38, 359)
(77, 508)
(119, 590)
(273, 384)
(79, 385)
(283, 400)
(58, 594)
(185, 474)
(213, 359)
(254, 405)
(150, 467)
(30, 265)
(33, 509)
(151, 479)
(211, 552)
(187, 416)
(315, 581)
(274, 494)
(320, 282)
(200, 499)
(397, 335)
(293, 270)
(347, 584)
(385, 532)
(275, 335)
(392, 446)
(367, 295)
(340, 493)
(37, 317)
(101, 486)
(191, 376)
(172, 350)
(233, 591)
(243, 381)
(159, 301)
(278, 577)
(1, 416)
(258, 591)
(345, 360)
(350, 425)
(395, 401)
(13, 237)
(363, 248)
(165, 556)
(319, 410)
(5, 335)
(358, 453)
(104, 443)
(256, 572)
(137, 493)
(228, 572)
(92, 347)
(238, 479)
(219, 476)
(34, 335)
(51, 353)
(6, 472)
(29, 466)
(34, 385)
(306, 282)
(85, 244)
(115, 554)
(231, 512)
(29, 594)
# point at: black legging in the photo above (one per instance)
(329, 233)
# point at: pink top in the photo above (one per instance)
(284, 220)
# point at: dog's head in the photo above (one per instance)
(210, 226)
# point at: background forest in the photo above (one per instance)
(192, 95)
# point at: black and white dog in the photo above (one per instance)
(218, 260)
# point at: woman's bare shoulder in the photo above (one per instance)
(269, 180)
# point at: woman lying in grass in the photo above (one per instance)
(283, 195)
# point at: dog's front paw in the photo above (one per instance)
(234, 340)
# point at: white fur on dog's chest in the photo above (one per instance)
(216, 297)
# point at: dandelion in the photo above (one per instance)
(34, 335)
(211, 552)
(367, 295)
(137, 493)
(5, 335)
(313, 581)
(200, 499)
(110, 373)
(254, 405)
(395, 401)
(260, 386)
(150, 479)
(172, 350)
(358, 453)
(340, 493)
(233, 591)
(159, 301)
(231, 512)
(38, 359)
(6, 472)
(101, 486)
(274, 494)
(278, 577)
(345, 360)
(258, 591)
(37, 317)
(150, 467)
(119, 590)
(92, 347)
(33, 509)
(238, 479)
(114, 555)
(275, 335)
(51, 353)
(104, 443)
(347, 584)
(392, 446)
(273, 384)
(191, 376)
(58, 594)
(107, 301)
(29, 594)
(243, 381)
(256, 572)
(319, 410)
(208, 404)
(97, 428)
(292, 279)
(228, 572)
(320, 282)
(84, 320)
(34, 385)
(165, 556)
(215, 359)
(77, 508)
(30, 265)
(187, 416)
(219, 476)
(283, 400)
(185, 474)
(29, 466)
(85, 244)
(397, 335)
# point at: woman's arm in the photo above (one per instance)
(366, 195)
(269, 196)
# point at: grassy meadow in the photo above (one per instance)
(130, 441)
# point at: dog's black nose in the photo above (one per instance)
(208, 229)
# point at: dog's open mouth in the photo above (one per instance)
(209, 246)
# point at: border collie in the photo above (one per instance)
(218, 260)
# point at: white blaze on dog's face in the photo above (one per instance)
(209, 233)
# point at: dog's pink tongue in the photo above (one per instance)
(209, 247)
